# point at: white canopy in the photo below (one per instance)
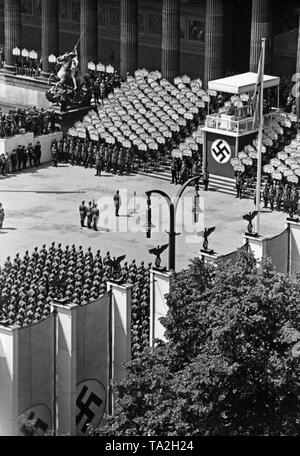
(242, 83)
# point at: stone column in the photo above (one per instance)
(89, 30)
(214, 37)
(260, 28)
(170, 53)
(12, 31)
(50, 32)
(160, 287)
(129, 36)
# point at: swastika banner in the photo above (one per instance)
(220, 149)
(93, 363)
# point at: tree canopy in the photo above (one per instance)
(227, 367)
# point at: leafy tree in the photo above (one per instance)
(227, 368)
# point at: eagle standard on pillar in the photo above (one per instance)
(89, 31)
(12, 31)
(50, 33)
(214, 38)
(129, 36)
(170, 52)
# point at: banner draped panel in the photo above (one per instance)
(92, 362)
(36, 374)
(277, 250)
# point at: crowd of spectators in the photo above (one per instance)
(103, 83)
(21, 120)
(26, 66)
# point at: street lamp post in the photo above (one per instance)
(172, 212)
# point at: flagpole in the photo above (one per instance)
(260, 138)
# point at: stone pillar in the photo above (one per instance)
(160, 287)
(66, 364)
(121, 328)
(214, 37)
(170, 53)
(12, 31)
(89, 30)
(260, 28)
(129, 36)
(257, 245)
(293, 246)
(9, 381)
(50, 32)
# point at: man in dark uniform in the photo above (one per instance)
(85, 154)
(117, 202)
(82, 213)
(286, 198)
(24, 157)
(238, 185)
(266, 195)
(54, 154)
(98, 164)
(19, 157)
(89, 214)
(37, 154)
(278, 197)
(30, 154)
(96, 215)
(14, 160)
(174, 171)
(206, 180)
(272, 194)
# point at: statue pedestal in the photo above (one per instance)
(68, 118)
(23, 91)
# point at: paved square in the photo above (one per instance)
(42, 206)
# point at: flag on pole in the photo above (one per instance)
(258, 122)
(257, 97)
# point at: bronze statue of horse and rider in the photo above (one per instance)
(68, 90)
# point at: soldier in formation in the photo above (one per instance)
(29, 283)
(283, 196)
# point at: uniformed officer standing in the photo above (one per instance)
(278, 196)
(82, 213)
(30, 154)
(117, 202)
(98, 164)
(272, 195)
(96, 215)
(37, 154)
(286, 198)
(54, 154)
(238, 185)
(89, 214)
(174, 171)
(266, 195)
(2, 215)
(206, 180)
